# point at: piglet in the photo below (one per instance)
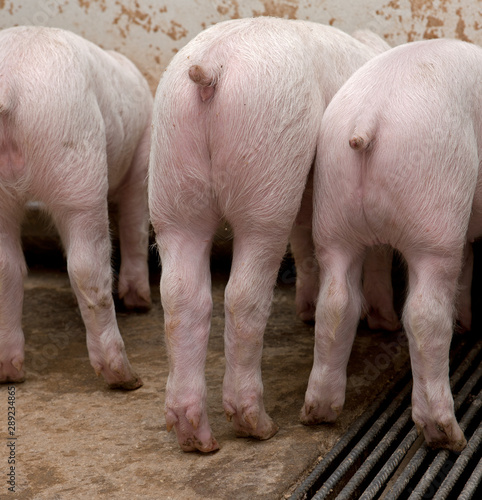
(74, 129)
(399, 164)
(235, 125)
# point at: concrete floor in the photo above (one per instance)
(78, 439)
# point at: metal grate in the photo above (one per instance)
(382, 457)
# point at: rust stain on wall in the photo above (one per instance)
(433, 21)
(460, 28)
(135, 17)
(394, 4)
(438, 18)
(418, 6)
(85, 4)
(421, 7)
(229, 8)
(431, 28)
(274, 8)
(412, 36)
(138, 17)
(176, 31)
(10, 8)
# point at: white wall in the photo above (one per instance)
(151, 31)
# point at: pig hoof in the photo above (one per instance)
(13, 379)
(308, 319)
(378, 321)
(448, 436)
(139, 306)
(267, 432)
(251, 424)
(128, 385)
(312, 414)
(12, 371)
(306, 313)
(445, 442)
(456, 446)
(194, 444)
(192, 429)
(116, 370)
(135, 300)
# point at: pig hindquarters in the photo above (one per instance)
(400, 150)
(74, 127)
(235, 125)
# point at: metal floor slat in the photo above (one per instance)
(382, 457)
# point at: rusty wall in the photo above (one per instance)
(151, 31)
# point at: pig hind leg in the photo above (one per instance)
(84, 230)
(12, 272)
(248, 296)
(185, 218)
(133, 286)
(337, 314)
(187, 303)
(307, 271)
(428, 319)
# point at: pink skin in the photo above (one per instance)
(234, 138)
(400, 146)
(73, 132)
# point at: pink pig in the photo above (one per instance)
(400, 151)
(235, 126)
(74, 128)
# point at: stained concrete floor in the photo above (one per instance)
(77, 439)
